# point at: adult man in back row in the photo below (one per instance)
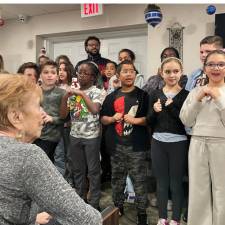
(92, 47)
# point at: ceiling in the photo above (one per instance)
(11, 11)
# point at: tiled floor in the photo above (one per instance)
(129, 217)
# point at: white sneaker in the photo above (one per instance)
(162, 222)
(173, 222)
(169, 205)
(131, 197)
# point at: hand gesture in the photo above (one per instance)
(73, 91)
(168, 101)
(211, 92)
(128, 119)
(43, 113)
(157, 106)
(118, 117)
(203, 93)
(47, 118)
(214, 92)
(116, 83)
(43, 218)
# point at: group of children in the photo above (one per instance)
(127, 112)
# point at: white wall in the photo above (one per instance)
(18, 41)
(197, 23)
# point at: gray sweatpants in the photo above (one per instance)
(206, 181)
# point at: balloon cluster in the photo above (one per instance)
(153, 15)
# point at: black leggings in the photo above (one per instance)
(169, 161)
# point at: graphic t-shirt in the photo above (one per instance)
(84, 124)
(201, 80)
(125, 103)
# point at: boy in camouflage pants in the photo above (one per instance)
(124, 112)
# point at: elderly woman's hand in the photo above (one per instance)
(43, 218)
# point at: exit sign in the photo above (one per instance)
(91, 10)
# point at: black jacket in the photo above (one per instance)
(168, 119)
(100, 61)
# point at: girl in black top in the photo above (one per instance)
(169, 143)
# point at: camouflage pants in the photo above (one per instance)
(125, 161)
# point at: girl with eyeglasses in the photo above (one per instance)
(84, 105)
(204, 112)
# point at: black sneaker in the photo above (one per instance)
(142, 219)
(121, 210)
(185, 216)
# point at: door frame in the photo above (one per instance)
(48, 40)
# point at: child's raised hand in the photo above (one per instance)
(118, 117)
(47, 119)
(210, 92)
(157, 106)
(76, 91)
(73, 91)
(168, 101)
(43, 113)
(116, 83)
(69, 91)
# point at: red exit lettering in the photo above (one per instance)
(90, 9)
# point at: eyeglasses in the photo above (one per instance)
(93, 45)
(128, 71)
(219, 66)
(84, 74)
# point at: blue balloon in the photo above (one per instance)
(211, 9)
(153, 17)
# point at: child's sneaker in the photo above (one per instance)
(173, 222)
(169, 205)
(131, 197)
(121, 209)
(142, 219)
(162, 222)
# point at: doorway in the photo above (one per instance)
(112, 41)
